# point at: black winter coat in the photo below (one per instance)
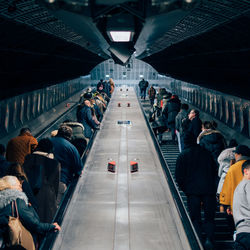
(196, 171)
(172, 109)
(46, 190)
(214, 142)
(195, 126)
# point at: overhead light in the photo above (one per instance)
(107, 75)
(141, 75)
(121, 36)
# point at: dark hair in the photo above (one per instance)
(197, 113)
(207, 125)
(45, 145)
(232, 143)
(15, 169)
(245, 165)
(2, 149)
(24, 130)
(65, 132)
(184, 106)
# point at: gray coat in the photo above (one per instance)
(178, 120)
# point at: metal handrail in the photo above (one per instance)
(185, 219)
(50, 237)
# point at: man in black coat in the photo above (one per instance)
(143, 84)
(196, 174)
(171, 110)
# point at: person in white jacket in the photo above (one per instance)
(225, 160)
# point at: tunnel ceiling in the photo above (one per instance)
(205, 42)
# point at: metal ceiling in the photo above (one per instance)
(46, 41)
(30, 13)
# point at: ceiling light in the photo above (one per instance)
(121, 36)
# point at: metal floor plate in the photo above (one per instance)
(122, 210)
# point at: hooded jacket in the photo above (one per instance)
(27, 214)
(213, 141)
(224, 160)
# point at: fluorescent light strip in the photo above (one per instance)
(120, 36)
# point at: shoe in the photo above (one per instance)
(208, 244)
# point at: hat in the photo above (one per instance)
(242, 150)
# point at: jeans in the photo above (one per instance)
(179, 140)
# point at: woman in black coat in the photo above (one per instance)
(212, 140)
(10, 191)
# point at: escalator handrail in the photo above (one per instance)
(185, 219)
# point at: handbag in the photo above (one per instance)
(18, 234)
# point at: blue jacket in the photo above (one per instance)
(85, 117)
(67, 154)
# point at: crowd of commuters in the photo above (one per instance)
(35, 175)
(212, 174)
